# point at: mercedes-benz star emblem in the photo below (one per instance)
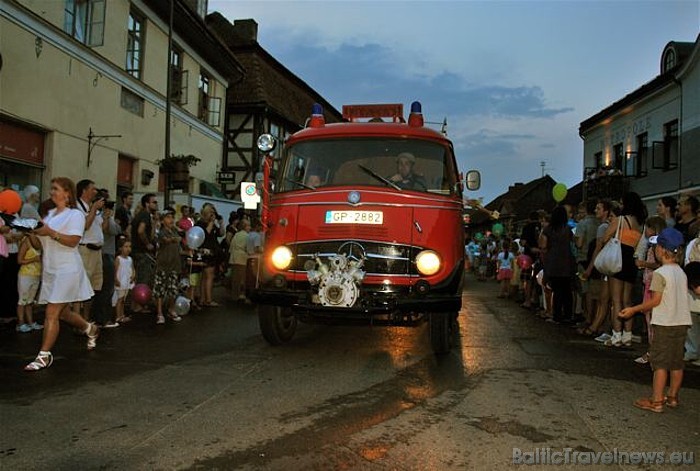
(354, 197)
(352, 251)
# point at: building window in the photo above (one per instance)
(665, 153)
(85, 21)
(132, 102)
(598, 160)
(178, 78)
(209, 107)
(618, 158)
(669, 60)
(134, 45)
(642, 155)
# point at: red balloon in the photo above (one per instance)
(524, 262)
(10, 201)
(141, 293)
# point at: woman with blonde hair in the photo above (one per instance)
(64, 280)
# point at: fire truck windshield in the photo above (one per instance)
(402, 164)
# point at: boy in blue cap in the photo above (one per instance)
(670, 317)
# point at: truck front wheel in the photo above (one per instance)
(277, 324)
(441, 330)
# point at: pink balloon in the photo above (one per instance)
(524, 262)
(141, 293)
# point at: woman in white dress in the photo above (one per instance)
(63, 278)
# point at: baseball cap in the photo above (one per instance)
(669, 238)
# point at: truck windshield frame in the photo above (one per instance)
(316, 163)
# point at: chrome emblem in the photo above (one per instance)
(352, 251)
(354, 197)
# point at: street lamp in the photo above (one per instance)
(93, 139)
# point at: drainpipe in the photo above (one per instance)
(680, 134)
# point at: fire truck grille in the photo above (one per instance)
(380, 258)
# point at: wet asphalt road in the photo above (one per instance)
(209, 393)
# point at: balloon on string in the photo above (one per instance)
(478, 236)
(181, 305)
(141, 293)
(10, 201)
(497, 229)
(559, 192)
(524, 261)
(195, 237)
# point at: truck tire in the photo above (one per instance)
(441, 332)
(277, 324)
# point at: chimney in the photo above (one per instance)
(247, 30)
(515, 185)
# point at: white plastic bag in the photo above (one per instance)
(609, 259)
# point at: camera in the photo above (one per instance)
(103, 195)
(109, 204)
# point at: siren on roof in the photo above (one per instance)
(317, 119)
(415, 119)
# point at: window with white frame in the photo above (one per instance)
(178, 77)
(85, 21)
(135, 44)
(209, 107)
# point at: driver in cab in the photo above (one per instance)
(405, 178)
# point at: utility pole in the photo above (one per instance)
(542, 164)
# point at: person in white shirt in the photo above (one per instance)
(91, 243)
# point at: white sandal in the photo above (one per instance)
(92, 338)
(43, 360)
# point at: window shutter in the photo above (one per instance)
(213, 111)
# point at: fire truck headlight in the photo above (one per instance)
(281, 257)
(427, 262)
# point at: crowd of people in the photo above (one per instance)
(93, 263)
(550, 269)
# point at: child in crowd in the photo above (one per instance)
(168, 267)
(28, 281)
(515, 288)
(670, 319)
(194, 264)
(483, 261)
(124, 278)
(505, 269)
(654, 225)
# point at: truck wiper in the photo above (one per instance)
(379, 177)
(308, 187)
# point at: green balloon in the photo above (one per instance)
(559, 192)
(478, 236)
(497, 229)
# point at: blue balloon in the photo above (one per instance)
(195, 237)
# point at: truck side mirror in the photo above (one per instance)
(473, 180)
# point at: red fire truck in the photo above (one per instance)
(363, 225)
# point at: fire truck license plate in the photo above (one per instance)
(354, 217)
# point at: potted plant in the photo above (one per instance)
(177, 169)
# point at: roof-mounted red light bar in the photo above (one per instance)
(394, 111)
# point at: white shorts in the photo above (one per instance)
(27, 287)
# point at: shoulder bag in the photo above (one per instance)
(609, 259)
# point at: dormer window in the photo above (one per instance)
(669, 60)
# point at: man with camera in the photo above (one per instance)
(102, 312)
(90, 248)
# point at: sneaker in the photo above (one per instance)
(602, 338)
(111, 325)
(643, 360)
(24, 328)
(615, 340)
(36, 326)
(626, 338)
(161, 320)
(174, 317)
(696, 362)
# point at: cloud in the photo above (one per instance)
(374, 73)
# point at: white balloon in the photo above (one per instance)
(195, 237)
(181, 306)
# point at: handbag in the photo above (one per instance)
(609, 259)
